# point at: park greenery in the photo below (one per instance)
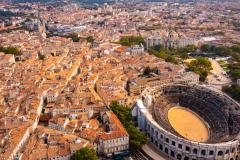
(137, 138)
(233, 91)
(172, 55)
(41, 56)
(131, 40)
(160, 52)
(74, 37)
(147, 71)
(201, 66)
(85, 153)
(10, 50)
(90, 39)
(233, 51)
(234, 70)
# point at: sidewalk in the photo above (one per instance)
(151, 152)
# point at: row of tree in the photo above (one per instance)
(160, 52)
(233, 51)
(233, 91)
(131, 40)
(85, 153)
(202, 66)
(75, 38)
(137, 138)
(10, 50)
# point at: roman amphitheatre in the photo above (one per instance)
(190, 122)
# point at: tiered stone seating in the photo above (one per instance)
(215, 109)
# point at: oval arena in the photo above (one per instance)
(190, 122)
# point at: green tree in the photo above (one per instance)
(222, 51)
(234, 70)
(147, 71)
(137, 138)
(84, 154)
(205, 48)
(171, 59)
(41, 56)
(233, 91)
(201, 66)
(184, 56)
(131, 40)
(74, 37)
(236, 48)
(90, 39)
(186, 49)
(10, 50)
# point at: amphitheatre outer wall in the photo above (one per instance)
(175, 146)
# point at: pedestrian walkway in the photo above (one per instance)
(151, 152)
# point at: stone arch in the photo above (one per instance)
(220, 153)
(195, 151)
(227, 151)
(166, 150)
(179, 156)
(186, 158)
(161, 147)
(172, 154)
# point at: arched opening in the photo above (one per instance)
(231, 159)
(172, 154)
(195, 151)
(160, 147)
(156, 143)
(187, 148)
(220, 153)
(233, 150)
(179, 156)
(211, 153)
(203, 152)
(227, 151)
(166, 150)
(186, 158)
(237, 158)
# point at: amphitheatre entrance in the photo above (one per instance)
(188, 124)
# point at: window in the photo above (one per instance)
(166, 150)
(220, 153)
(180, 146)
(160, 147)
(167, 140)
(186, 158)
(173, 143)
(172, 154)
(179, 156)
(211, 153)
(227, 151)
(195, 151)
(203, 152)
(187, 148)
